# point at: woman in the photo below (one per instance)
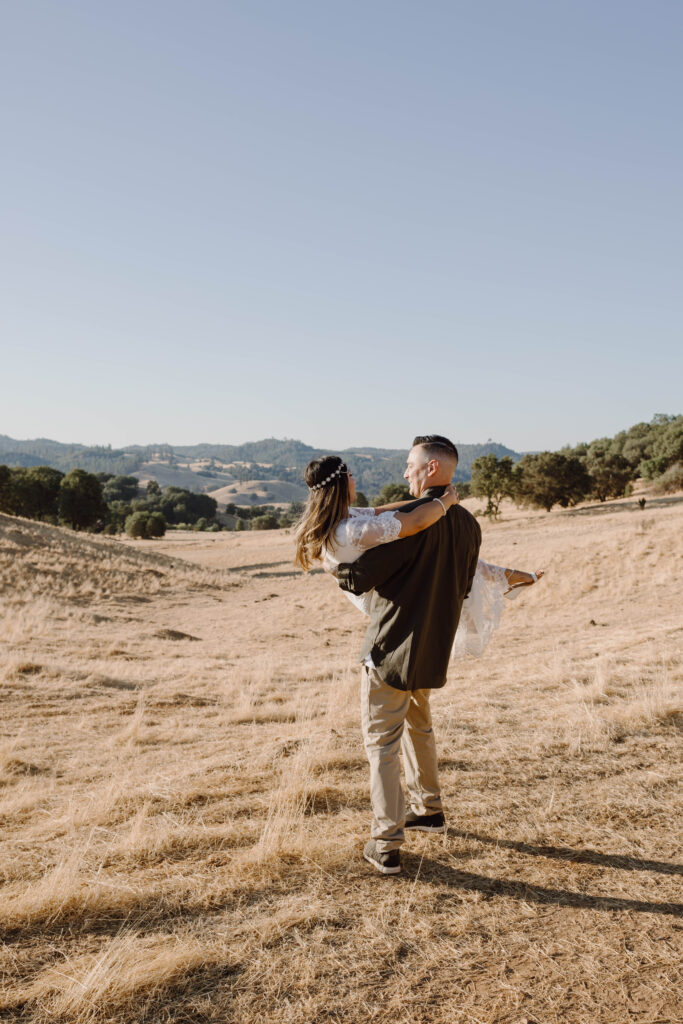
(331, 531)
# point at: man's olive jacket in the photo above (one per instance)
(419, 585)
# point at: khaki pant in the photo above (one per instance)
(394, 720)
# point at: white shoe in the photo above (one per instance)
(516, 587)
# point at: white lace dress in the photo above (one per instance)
(481, 611)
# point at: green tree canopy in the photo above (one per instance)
(493, 479)
(5, 484)
(667, 447)
(551, 478)
(33, 492)
(117, 513)
(46, 482)
(80, 499)
(609, 471)
(181, 506)
(391, 493)
(650, 448)
(120, 488)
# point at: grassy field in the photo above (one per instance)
(184, 790)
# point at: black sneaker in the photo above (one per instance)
(425, 822)
(388, 863)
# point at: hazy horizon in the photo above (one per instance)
(311, 443)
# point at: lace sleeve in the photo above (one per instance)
(493, 574)
(369, 531)
(357, 512)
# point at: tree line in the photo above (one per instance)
(111, 503)
(102, 502)
(114, 504)
(604, 468)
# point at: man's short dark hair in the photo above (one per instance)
(434, 445)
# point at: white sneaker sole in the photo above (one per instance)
(381, 868)
(426, 828)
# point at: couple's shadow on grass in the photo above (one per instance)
(442, 874)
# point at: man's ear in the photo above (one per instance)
(432, 467)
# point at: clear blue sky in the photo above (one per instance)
(342, 222)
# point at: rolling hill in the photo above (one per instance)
(257, 472)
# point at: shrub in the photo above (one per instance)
(156, 525)
(670, 481)
(136, 524)
(267, 522)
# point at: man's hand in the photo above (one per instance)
(450, 496)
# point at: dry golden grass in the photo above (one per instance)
(183, 790)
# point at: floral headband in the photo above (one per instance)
(338, 471)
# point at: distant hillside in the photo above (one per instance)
(43, 452)
(255, 473)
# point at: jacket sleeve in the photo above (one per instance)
(474, 558)
(374, 567)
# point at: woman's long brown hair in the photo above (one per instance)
(325, 509)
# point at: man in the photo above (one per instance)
(419, 585)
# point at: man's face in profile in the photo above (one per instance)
(417, 467)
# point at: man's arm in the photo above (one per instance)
(375, 566)
(379, 564)
(401, 506)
